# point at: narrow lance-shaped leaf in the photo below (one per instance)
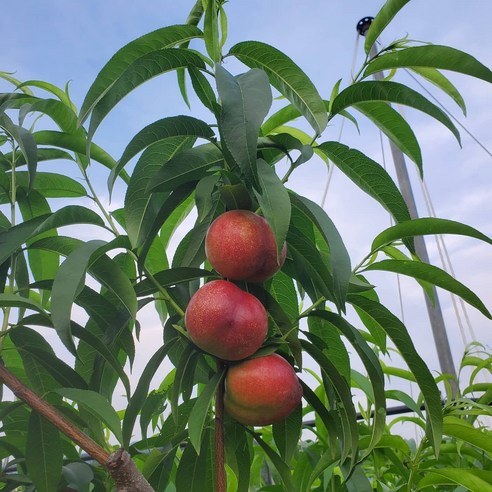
(165, 37)
(35, 351)
(439, 80)
(166, 128)
(53, 89)
(52, 185)
(245, 101)
(44, 455)
(433, 275)
(373, 367)
(480, 438)
(195, 471)
(142, 207)
(13, 238)
(77, 143)
(280, 465)
(384, 90)
(424, 226)
(287, 78)
(211, 31)
(433, 56)
(369, 176)
(343, 397)
(187, 166)
(339, 257)
(200, 410)
(382, 19)
(26, 143)
(203, 89)
(398, 333)
(179, 196)
(66, 286)
(183, 376)
(141, 70)
(274, 201)
(395, 127)
(97, 405)
(138, 398)
(62, 115)
(13, 300)
(474, 480)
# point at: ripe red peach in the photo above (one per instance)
(262, 390)
(226, 321)
(240, 245)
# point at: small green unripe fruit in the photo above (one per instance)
(226, 321)
(241, 245)
(262, 390)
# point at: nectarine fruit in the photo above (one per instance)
(262, 390)
(240, 245)
(226, 321)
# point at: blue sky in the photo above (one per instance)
(64, 40)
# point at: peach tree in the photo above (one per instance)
(72, 304)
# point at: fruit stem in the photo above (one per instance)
(220, 476)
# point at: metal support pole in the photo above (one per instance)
(434, 310)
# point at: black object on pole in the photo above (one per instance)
(434, 309)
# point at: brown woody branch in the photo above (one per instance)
(119, 464)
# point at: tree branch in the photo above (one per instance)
(119, 464)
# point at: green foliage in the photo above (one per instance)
(91, 293)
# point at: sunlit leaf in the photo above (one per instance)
(26, 143)
(50, 185)
(373, 367)
(345, 404)
(287, 78)
(159, 39)
(369, 176)
(398, 333)
(424, 226)
(53, 89)
(434, 275)
(433, 56)
(387, 91)
(166, 128)
(77, 143)
(67, 285)
(439, 80)
(382, 19)
(394, 126)
(211, 31)
(142, 69)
